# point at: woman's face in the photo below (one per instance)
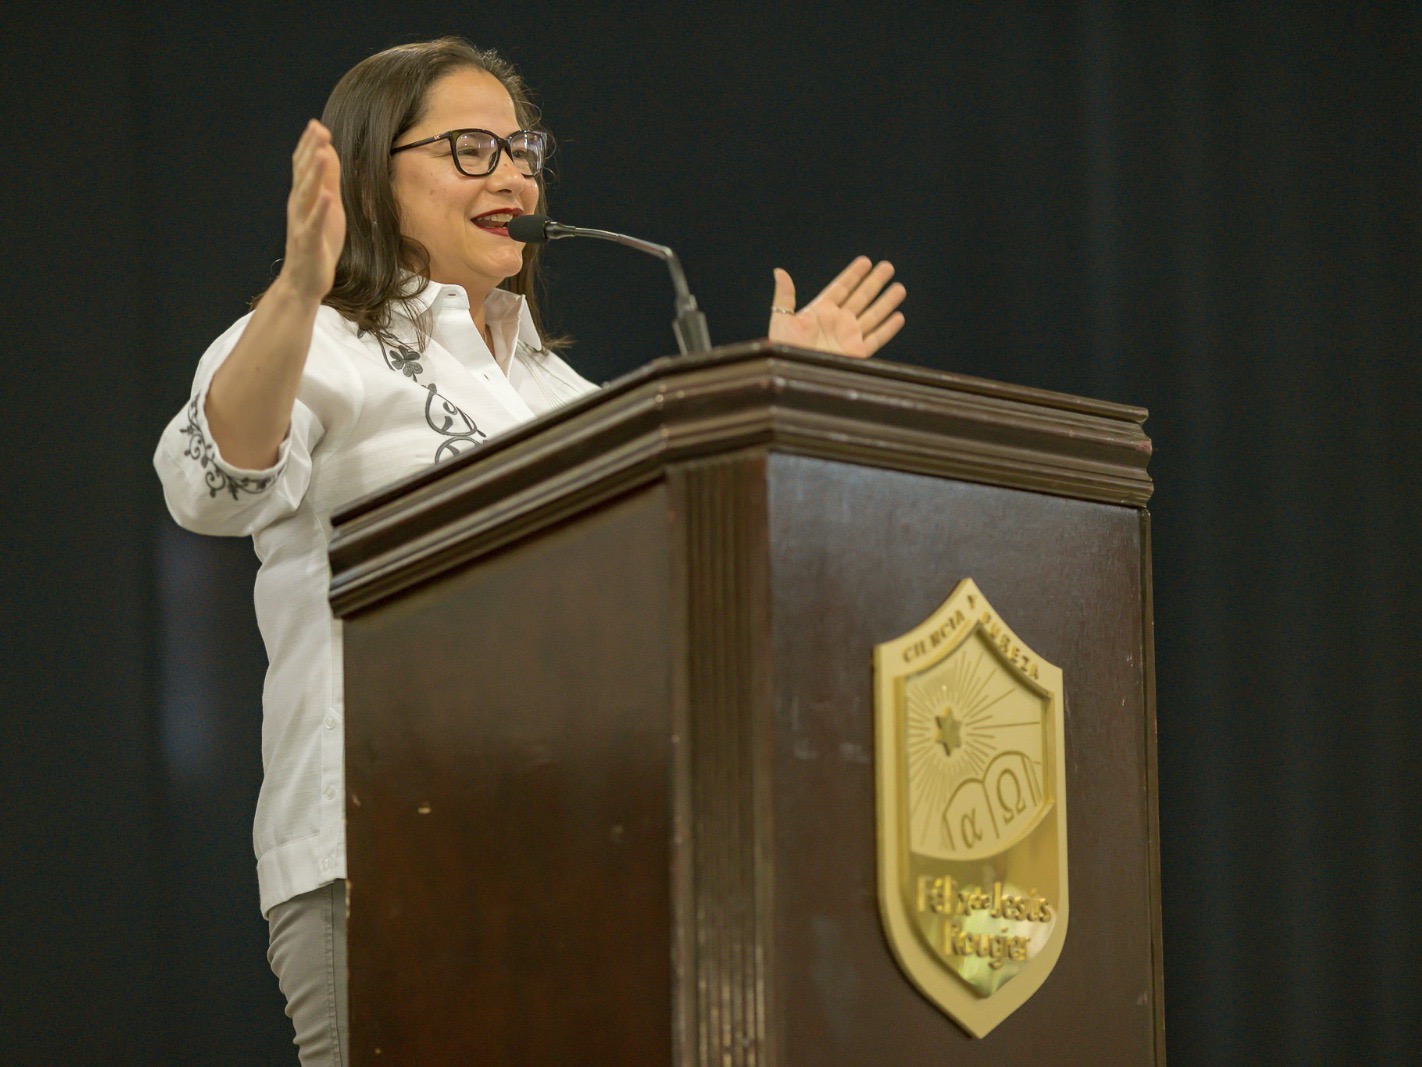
(439, 206)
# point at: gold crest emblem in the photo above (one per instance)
(972, 814)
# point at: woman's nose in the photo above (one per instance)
(506, 173)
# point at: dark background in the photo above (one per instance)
(1211, 210)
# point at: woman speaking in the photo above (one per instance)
(402, 329)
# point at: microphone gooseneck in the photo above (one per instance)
(689, 325)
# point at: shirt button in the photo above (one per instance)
(330, 722)
(330, 792)
(326, 864)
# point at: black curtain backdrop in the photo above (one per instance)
(1208, 209)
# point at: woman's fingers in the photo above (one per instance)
(839, 290)
(332, 223)
(311, 139)
(880, 309)
(331, 173)
(869, 287)
(315, 168)
(315, 221)
(321, 167)
(316, 172)
(883, 333)
(301, 157)
(303, 147)
(305, 182)
(858, 284)
(304, 200)
(298, 203)
(325, 204)
(307, 161)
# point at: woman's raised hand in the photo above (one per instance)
(854, 316)
(315, 217)
(250, 400)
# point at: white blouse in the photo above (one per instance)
(365, 416)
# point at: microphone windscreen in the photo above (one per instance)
(529, 229)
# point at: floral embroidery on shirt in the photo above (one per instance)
(217, 479)
(442, 415)
(406, 360)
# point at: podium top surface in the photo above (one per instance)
(755, 395)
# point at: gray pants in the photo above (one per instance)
(308, 956)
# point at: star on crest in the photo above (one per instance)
(950, 731)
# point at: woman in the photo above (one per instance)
(401, 330)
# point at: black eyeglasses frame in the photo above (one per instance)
(501, 144)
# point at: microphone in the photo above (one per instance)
(689, 325)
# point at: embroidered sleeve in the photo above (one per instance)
(207, 494)
(218, 477)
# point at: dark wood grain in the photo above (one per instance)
(721, 522)
(509, 827)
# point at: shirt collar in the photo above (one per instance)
(508, 315)
(442, 296)
(499, 306)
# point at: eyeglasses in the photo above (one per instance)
(476, 152)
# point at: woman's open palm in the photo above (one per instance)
(854, 315)
(315, 217)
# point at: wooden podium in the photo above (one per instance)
(610, 717)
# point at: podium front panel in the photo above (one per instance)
(509, 814)
(860, 556)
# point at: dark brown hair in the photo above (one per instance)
(376, 101)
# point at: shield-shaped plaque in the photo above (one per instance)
(972, 810)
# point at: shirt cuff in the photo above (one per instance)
(218, 474)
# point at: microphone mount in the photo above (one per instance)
(689, 326)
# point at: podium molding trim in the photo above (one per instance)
(866, 412)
